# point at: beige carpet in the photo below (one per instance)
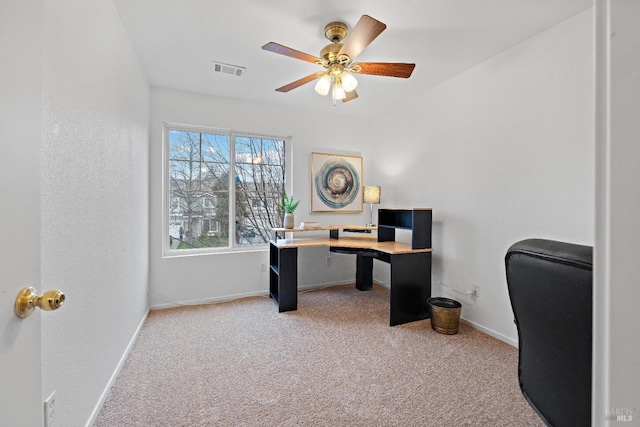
(333, 362)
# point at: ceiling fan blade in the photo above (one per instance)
(388, 69)
(298, 83)
(365, 31)
(292, 53)
(350, 96)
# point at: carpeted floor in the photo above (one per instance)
(333, 362)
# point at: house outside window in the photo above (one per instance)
(222, 189)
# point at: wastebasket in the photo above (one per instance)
(445, 315)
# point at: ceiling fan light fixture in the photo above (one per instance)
(338, 91)
(323, 85)
(338, 60)
(348, 81)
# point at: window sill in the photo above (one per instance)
(214, 251)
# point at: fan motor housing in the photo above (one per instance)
(330, 52)
(335, 31)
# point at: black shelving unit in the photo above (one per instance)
(410, 273)
(283, 277)
(418, 221)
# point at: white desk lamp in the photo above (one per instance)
(371, 196)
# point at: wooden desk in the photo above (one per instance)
(410, 270)
(333, 230)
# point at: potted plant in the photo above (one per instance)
(289, 207)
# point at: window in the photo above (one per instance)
(223, 188)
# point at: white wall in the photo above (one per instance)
(502, 152)
(192, 279)
(94, 201)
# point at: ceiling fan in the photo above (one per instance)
(338, 60)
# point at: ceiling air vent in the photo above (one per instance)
(234, 70)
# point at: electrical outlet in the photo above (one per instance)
(50, 410)
(328, 261)
(263, 266)
(474, 290)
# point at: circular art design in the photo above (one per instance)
(337, 183)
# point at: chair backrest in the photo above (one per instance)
(550, 287)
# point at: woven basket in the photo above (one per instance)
(445, 315)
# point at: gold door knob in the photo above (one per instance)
(28, 300)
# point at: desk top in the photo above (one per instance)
(360, 242)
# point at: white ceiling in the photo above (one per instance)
(176, 41)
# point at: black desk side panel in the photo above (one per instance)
(287, 279)
(410, 287)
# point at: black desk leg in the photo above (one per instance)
(364, 272)
(410, 287)
(288, 279)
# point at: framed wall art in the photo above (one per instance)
(336, 183)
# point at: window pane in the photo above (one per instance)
(184, 145)
(215, 148)
(199, 190)
(265, 151)
(259, 187)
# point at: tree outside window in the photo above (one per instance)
(214, 176)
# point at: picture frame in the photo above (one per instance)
(336, 183)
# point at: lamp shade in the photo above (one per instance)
(338, 91)
(349, 82)
(371, 194)
(323, 85)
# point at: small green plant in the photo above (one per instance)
(288, 204)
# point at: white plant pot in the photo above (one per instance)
(288, 220)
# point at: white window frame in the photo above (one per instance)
(167, 252)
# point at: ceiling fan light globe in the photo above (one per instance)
(349, 82)
(339, 92)
(323, 85)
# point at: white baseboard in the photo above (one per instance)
(316, 286)
(491, 332)
(107, 389)
(202, 300)
(234, 296)
(384, 284)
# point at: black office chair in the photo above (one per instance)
(550, 287)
